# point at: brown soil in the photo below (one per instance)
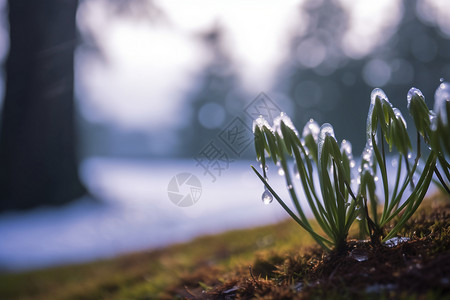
(415, 269)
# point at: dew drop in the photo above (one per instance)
(442, 101)
(346, 147)
(267, 197)
(375, 178)
(260, 122)
(283, 118)
(411, 93)
(311, 128)
(325, 130)
(359, 255)
(280, 171)
(441, 79)
(377, 94)
(289, 187)
(352, 163)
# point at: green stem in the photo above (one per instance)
(319, 239)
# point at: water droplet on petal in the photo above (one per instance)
(260, 122)
(346, 146)
(286, 120)
(267, 197)
(411, 93)
(377, 94)
(325, 130)
(266, 167)
(311, 128)
(441, 102)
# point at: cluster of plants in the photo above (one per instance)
(340, 190)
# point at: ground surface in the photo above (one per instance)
(271, 262)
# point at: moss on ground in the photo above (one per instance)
(284, 263)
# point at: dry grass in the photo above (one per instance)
(283, 257)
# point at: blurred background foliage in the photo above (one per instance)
(131, 82)
(160, 78)
(315, 59)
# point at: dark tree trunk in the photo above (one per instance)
(37, 141)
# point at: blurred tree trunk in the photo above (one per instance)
(37, 140)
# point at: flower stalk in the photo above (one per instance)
(335, 201)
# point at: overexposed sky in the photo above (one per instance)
(151, 66)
